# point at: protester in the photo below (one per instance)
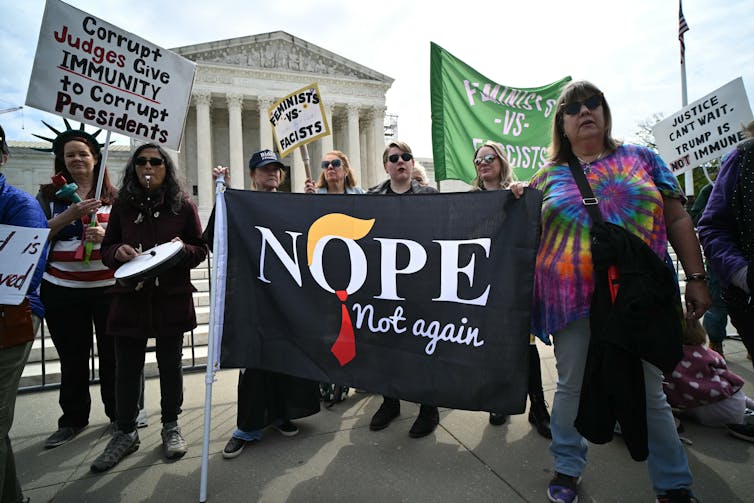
(494, 173)
(267, 398)
(152, 209)
(702, 388)
(634, 189)
(75, 287)
(399, 163)
(726, 231)
(20, 209)
(336, 177)
(419, 174)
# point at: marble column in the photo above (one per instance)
(235, 136)
(204, 154)
(353, 149)
(327, 141)
(378, 140)
(265, 128)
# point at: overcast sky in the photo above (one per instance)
(629, 49)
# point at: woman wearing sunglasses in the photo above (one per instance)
(636, 190)
(336, 177)
(152, 209)
(494, 173)
(74, 290)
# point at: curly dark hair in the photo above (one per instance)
(174, 192)
(109, 192)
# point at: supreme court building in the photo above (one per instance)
(237, 80)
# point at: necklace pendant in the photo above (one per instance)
(587, 168)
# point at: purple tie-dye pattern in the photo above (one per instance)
(629, 184)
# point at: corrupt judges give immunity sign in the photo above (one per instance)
(434, 308)
(705, 129)
(96, 73)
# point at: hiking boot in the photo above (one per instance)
(426, 422)
(497, 419)
(389, 410)
(563, 489)
(540, 418)
(286, 428)
(63, 435)
(676, 496)
(119, 446)
(173, 443)
(742, 431)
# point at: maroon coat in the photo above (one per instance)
(163, 305)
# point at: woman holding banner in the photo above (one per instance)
(336, 177)
(74, 289)
(266, 398)
(152, 209)
(494, 173)
(635, 190)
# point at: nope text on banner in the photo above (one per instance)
(298, 119)
(93, 72)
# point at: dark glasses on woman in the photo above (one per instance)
(487, 159)
(591, 103)
(405, 156)
(336, 163)
(153, 161)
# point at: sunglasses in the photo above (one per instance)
(591, 103)
(153, 161)
(335, 163)
(487, 159)
(405, 156)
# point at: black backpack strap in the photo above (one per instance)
(587, 196)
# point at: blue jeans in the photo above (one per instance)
(715, 320)
(667, 464)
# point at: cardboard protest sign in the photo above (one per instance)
(298, 119)
(705, 129)
(20, 250)
(94, 72)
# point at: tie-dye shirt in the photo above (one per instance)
(629, 184)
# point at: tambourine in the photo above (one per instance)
(150, 263)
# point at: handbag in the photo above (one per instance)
(16, 325)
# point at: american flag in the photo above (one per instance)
(682, 28)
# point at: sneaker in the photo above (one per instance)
(498, 419)
(286, 428)
(120, 446)
(63, 435)
(426, 422)
(389, 410)
(677, 496)
(563, 489)
(234, 447)
(173, 443)
(742, 431)
(142, 420)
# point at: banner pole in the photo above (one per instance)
(217, 314)
(305, 156)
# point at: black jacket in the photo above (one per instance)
(644, 323)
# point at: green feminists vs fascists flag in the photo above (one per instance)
(468, 110)
(433, 309)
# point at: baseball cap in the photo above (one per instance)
(263, 158)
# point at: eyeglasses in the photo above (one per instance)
(153, 161)
(336, 163)
(405, 156)
(487, 159)
(591, 103)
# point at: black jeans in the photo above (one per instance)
(743, 320)
(73, 316)
(129, 353)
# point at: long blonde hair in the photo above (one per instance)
(350, 180)
(506, 173)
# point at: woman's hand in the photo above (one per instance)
(85, 207)
(698, 299)
(309, 187)
(221, 170)
(95, 234)
(517, 188)
(125, 253)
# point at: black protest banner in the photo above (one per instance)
(426, 297)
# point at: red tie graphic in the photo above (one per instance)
(344, 347)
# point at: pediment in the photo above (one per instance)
(279, 51)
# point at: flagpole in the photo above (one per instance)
(217, 315)
(683, 28)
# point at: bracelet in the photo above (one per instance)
(697, 276)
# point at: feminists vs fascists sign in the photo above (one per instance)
(91, 71)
